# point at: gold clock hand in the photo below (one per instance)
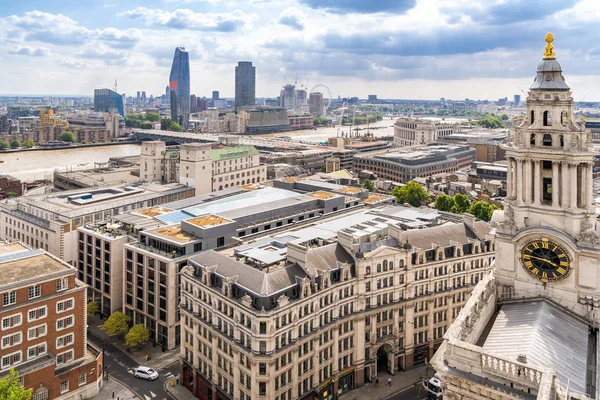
(544, 260)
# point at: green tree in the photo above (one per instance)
(175, 127)
(4, 145)
(152, 117)
(320, 121)
(504, 117)
(367, 184)
(411, 193)
(29, 143)
(11, 389)
(138, 334)
(444, 203)
(11, 195)
(15, 144)
(490, 122)
(146, 125)
(67, 136)
(323, 168)
(165, 124)
(116, 324)
(482, 210)
(462, 203)
(92, 308)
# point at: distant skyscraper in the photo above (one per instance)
(139, 97)
(193, 104)
(143, 97)
(245, 84)
(215, 95)
(168, 94)
(315, 104)
(287, 97)
(517, 99)
(105, 100)
(179, 85)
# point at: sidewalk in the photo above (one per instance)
(400, 381)
(179, 392)
(111, 386)
(158, 359)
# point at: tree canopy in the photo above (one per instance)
(489, 122)
(462, 203)
(482, 210)
(444, 203)
(411, 193)
(116, 324)
(29, 143)
(15, 144)
(175, 127)
(4, 145)
(138, 334)
(367, 184)
(11, 389)
(320, 121)
(67, 136)
(152, 117)
(92, 308)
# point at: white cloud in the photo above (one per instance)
(30, 51)
(72, 63)
(184, 18)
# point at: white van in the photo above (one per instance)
(145, 373)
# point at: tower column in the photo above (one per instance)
(527, 190)
(564, 199)
(589, 184)
(516, 177)
(537, 178)
(555, 185)
(573, 177)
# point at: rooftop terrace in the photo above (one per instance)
(322, 195)
(208, 220)
(152, 212)
(174, 233)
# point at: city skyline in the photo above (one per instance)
(397, 49)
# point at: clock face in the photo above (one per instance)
(545, 260)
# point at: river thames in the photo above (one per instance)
(32, 165)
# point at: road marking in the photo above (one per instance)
(152, 394)
(147, 397)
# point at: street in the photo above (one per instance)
(121, 366)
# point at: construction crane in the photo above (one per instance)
(115, 85)
(341, 119)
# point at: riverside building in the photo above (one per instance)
(530, 329)
(314, 313)
(414, 132)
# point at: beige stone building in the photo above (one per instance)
(201, 166)
(331, 314)
(530, 330)
(413, 132)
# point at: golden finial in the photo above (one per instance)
(549, 53)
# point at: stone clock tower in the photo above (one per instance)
(547, 245)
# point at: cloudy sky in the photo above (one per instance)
(393, 48)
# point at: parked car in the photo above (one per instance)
(145, 373)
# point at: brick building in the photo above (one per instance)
(43, 326)
(10, 184)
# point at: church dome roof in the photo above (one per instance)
(549, 72)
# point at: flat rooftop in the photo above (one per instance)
(208, 220)
(102, 177)
(375, 198)
(322, 195)
(75, 203)
(174, 233)
(22, 264)
(11, 247)
(351, 190)
(152, 212)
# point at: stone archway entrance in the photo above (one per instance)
(385, 359)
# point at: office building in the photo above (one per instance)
(215, 95)
(414, 132)
(179, 85)
(287, 98)
(105, 100)
(11, 187)
(403, 165)
(44, 321)
(530, 329)
(315, 104)
(169, 235)
(372, 97)
(193, 103)
(316, 312)
(50, 221)
(517, 100)
(245, 84)
(265, 120)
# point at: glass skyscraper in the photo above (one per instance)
(179, 85)
(105, 100)
(245, 84)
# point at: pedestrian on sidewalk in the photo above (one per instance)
(390, 381)
(177, 379)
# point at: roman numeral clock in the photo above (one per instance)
(545, 260)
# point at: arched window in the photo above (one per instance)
(562, 141)
(367, 270)
(532, 139)
(220, 187)
(40, 394)
(564, 117)
(385, 265)
(532, 117)
(547, 140)
(391, 265)
(547, 118)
